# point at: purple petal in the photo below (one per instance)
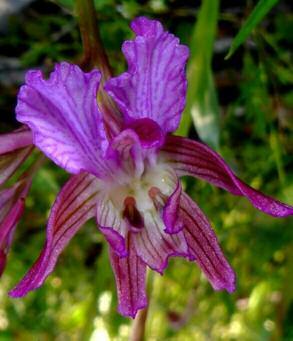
(154, 86)
(130, 273)
(149, 132)
(189, 157)
(126, 150)
(203, 245)
(154, 246)
(63, 115)
(112, 117)
(11, 209)
(15, 140)
(171, 209)
(75, 204)
(10, 162)
(112, 225)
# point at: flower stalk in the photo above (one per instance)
(94, 56)
(138, 328)
(139, 323)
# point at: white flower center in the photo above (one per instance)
(159, 176)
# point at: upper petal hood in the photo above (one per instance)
(63, 115)
(154, 86)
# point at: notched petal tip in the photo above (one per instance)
(63, 115)
(143, 26)
(32, 76)
(154, 86)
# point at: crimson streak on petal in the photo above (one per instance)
(130, 273)
(75, 204)
(189, 157)
(203, 245)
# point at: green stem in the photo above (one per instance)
(94, 54)
(138, 328)
(139, 324)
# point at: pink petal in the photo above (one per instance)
(130, 273)
(15, 140)
(112, 225)
(204, 246)
(171, 209)
(75, 204)
(11, 209)
(10, 162)
(154, 86)
(126, 150)
(63, 115)
(189, 157)
(154, 246)
(149, 132)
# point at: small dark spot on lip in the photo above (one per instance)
(132, 214)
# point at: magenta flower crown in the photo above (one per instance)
(127, 176)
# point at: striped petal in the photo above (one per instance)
(126, 150)
(154, 86)
(193, 158)
(75, 204)
(15, 140)
(154, 246)
(203, 245)
(171, 211)
(63, 115)
(10, 162)
(130, 275)
(11, 209)
(112, 225)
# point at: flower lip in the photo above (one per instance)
(149, 132)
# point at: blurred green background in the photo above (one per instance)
(242, 106)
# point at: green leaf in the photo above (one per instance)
(202, 104)
(258, 13)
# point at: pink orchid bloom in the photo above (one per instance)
(129, 179)
(15, 147)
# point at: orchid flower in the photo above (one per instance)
(128, 179)
(15, 147)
